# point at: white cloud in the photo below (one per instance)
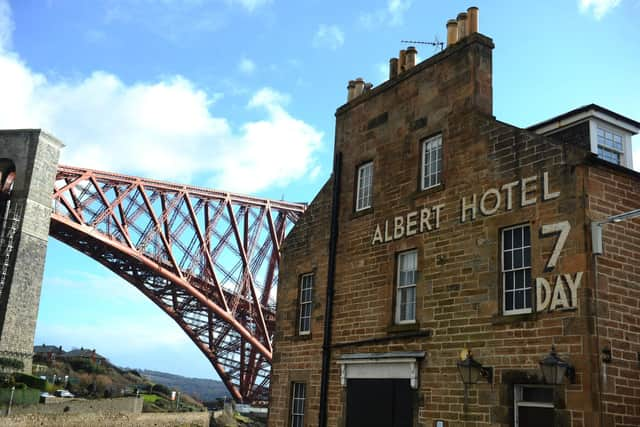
(274, 143)
(598, 8)
(328, 36)
(250, 5)
(396, 9)
(246, 66)
(268, 98)
(162, 129)
(6, 25)
(392, 14)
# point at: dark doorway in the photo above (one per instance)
(379, 403)
(535, 417)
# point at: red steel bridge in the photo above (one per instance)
(209, 259)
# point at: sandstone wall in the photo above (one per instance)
(183, 419)
(72, 406)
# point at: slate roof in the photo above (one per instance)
(46, 349)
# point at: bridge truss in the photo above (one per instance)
(209, 259)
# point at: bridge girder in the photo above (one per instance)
(208, 259)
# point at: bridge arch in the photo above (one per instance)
(208, 259)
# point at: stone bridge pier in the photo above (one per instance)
(28, 164)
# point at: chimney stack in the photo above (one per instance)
(452, 32)
(402, 61)
(350, 90)
(410, 57)
(359, 87)
(393, 68)
(465, 24)
(472, 21)
(462, 25)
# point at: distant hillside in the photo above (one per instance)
(203, 389)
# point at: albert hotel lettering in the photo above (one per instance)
(528, 191)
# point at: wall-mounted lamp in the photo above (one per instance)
(596, 228)
(471, 371)
(606, 355)
(555, 369)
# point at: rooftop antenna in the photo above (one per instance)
(435, 43)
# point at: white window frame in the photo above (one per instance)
(518, 400)
(364, 190)
(400, 287)
(603, 143)
(626, 156)
(504, 252)
(431, 147)
(305, 302)
(298, 395)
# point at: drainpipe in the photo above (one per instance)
(331, 270)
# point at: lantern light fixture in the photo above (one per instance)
(471, 370)
(554, 369)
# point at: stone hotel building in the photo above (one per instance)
(456, 270)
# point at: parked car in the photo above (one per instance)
(45, 394)
(64, 393)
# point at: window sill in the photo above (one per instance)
(363, 212)
(425, 192)
(403, 327)
(505, 319)
(298, 337)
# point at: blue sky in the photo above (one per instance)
(240, 95)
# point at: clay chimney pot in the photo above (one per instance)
(393, 68)
(410, 57)
(462, 25)
(359, 87)
(472, 20)
(402, 61)
(452, 32)
(351, 90)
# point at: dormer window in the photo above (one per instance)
(610, 145)
(610, 139)
(604, 132)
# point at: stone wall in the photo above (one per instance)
(35, 155)
(297, 357)
(183, 419)
(575, 135)
(81, 406)
(616, 308)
